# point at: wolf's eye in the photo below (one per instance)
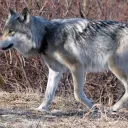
(11, 32)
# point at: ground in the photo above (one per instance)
(65, 112)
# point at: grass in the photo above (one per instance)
(64, 112)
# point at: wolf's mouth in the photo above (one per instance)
(9, 46)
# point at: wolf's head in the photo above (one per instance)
(23, 32)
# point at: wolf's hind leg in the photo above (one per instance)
(78, 79)
(121, 75)
(53, 81)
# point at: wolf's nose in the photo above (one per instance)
(5, 48)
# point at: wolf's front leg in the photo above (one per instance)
(53, 81)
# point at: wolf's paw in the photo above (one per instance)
(110, 110)
(40, 109)
(94, 112)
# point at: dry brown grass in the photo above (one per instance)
(65, 112)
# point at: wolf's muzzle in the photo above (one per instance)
(9, 46)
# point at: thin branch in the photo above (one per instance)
(101, 10)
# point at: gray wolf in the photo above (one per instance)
(78, 45)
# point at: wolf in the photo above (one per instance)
(78, 45)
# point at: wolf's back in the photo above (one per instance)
(91, 42)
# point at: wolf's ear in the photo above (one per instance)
(25, 16)
(11, 12)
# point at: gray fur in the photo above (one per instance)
(79, 45)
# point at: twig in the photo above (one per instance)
(10, 56)
(38, 123)
(101, 10)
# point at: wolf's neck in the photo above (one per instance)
(39, 33)
(44, 43)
